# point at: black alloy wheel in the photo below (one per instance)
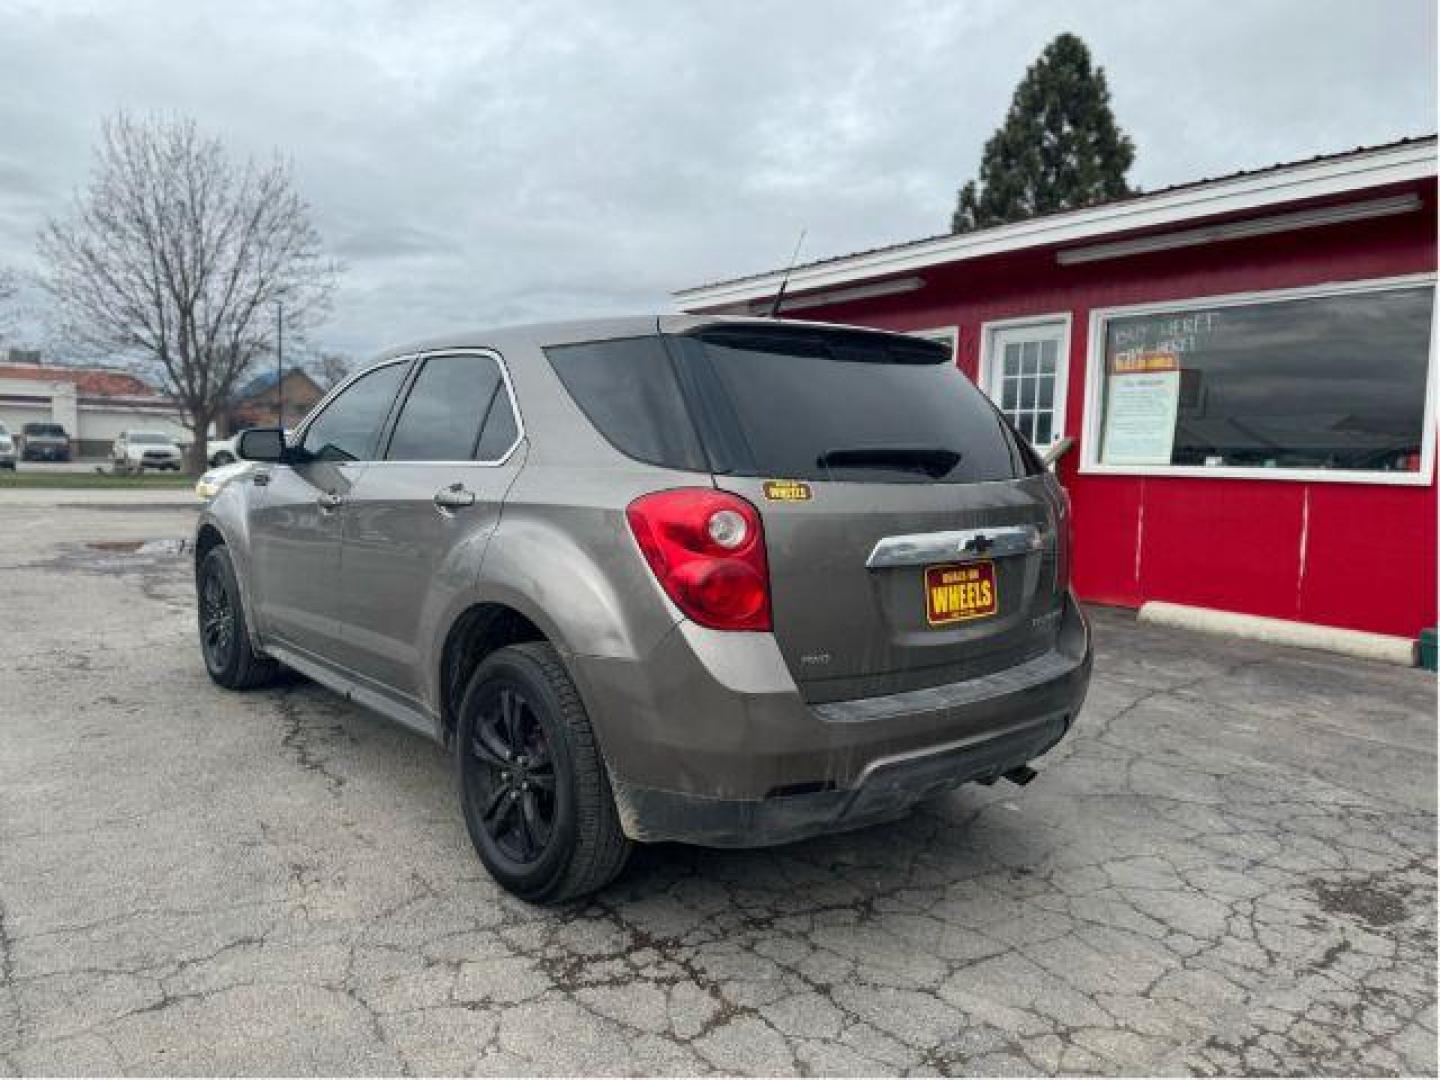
(533, 785)
(230, 659)
(514, 783)
(217, 619)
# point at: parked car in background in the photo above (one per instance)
(136, 451)
(7, 448)
(731, 582)
(44, 442)
(221, 451)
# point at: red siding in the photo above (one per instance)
(1368, 557)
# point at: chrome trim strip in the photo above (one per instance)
(958, 545)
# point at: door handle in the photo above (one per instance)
(329, 500)
(454, 497)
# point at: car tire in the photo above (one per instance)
(581, 847)
(230, 659)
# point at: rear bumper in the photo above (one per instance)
(716, 746)
(46, 453)
(888, 789)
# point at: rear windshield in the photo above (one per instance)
(794, 402)
(44, 429)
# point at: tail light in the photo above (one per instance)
(707, 550)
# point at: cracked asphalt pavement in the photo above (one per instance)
(1229, 867)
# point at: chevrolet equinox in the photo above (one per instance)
(733, 582)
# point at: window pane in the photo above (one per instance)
(1027, 393)
(1335, 382)
(1042, 428)
(1047, 356)
(1010, 394)
(1047, 391)
(501, 428)
(1027, 425)
(1030, 357)
(1012, 359)
(440, 419)
(349, 426)
(628, 390)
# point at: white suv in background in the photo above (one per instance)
(7, 449)
(136, 451)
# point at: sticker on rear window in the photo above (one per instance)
(787, 490)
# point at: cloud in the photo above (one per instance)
(479, 163)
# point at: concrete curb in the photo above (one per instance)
(1358, 643)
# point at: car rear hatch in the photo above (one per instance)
(911, 535)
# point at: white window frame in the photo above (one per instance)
(1095, 388)
(950, 334)
(989, 357)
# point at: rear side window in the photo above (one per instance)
(627, 389)
(842, 405)
(447, 408)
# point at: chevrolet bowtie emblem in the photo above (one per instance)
(979, 543)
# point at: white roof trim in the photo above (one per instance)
(1272, 187)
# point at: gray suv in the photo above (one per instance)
(729, 582)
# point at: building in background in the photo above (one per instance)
(92, 404)
(1244, 368)
(257, 405)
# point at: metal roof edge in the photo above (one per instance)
(1335, 175)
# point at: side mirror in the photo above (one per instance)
(261, 444)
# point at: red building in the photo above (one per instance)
(1244, 367)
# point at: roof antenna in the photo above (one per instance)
(780, 296)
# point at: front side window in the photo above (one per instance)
(1331, 382)
(350, 426)
(446, 409)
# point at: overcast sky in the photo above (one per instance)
(479, 163)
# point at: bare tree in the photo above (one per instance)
(176, 255)
(9, 289)
(330, 368)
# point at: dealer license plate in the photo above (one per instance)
(959, 592)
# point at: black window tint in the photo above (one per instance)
(442, 414)
(350, 425)
(627, 389)
(500, 428)
(1326, 382)
(844, 405)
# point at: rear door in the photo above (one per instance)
(910, 534)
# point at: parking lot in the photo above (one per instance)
(1229, 867)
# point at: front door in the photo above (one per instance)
(295, 525)
(418, 520)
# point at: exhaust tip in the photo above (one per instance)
(1021, 775)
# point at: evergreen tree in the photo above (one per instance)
(1058, 149)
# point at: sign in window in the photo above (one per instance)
(1324, 382)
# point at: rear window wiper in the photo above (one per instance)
(933, 461)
